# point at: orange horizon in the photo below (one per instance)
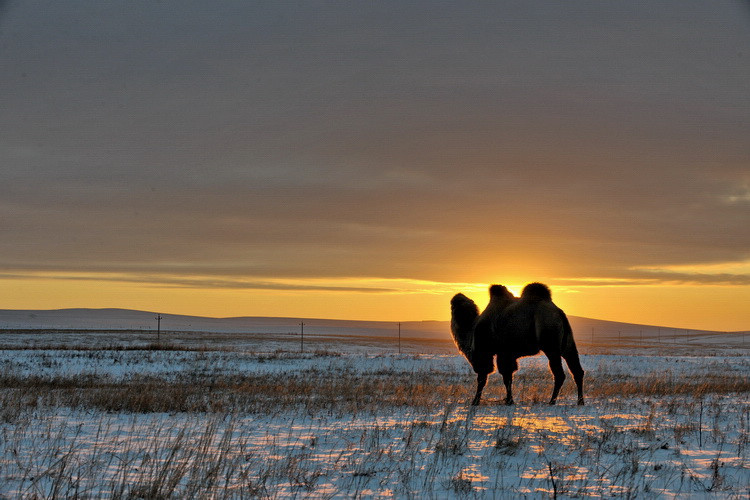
(704, 307)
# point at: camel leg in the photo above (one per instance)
(481, 382)
(574, 365)
(508, 381)
(555, 364)
(506, 370)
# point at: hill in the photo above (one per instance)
(588, 332)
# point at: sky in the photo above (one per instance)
(367, 160)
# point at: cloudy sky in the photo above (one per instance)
(367, 160)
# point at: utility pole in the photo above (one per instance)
(302, 337)
(158, 327)
(399, 338)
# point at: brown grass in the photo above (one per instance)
(350, 392)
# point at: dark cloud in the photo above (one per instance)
(662, 277)
(373, 139)
(177, 281)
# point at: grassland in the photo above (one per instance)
(161, 421)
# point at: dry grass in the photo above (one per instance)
(218, 456)
(253, 393)
(316, 390)
(204, 440)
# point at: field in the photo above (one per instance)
(113, 414)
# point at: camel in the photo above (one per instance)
(510, 328)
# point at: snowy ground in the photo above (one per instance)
(367, 423)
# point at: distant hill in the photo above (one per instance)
(597, 332)
(126, 319)
(587, 331)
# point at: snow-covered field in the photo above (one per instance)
(364, 422)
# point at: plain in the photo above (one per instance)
(258, 416)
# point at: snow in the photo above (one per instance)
(604, 450)
(123, 364)
(672, 446)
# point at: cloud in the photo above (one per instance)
(401, 141)
(361, 285)
(717, 273)
(739, 196)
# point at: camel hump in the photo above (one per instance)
(499, 291)
(536, 291)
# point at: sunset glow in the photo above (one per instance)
(370, 160)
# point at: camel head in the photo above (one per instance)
(464, 313)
